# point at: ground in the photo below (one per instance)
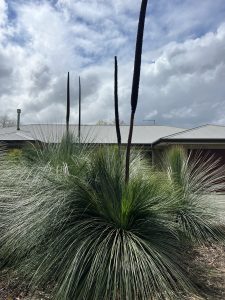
(11, 288)
(209, 269)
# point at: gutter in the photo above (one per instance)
(189, 141)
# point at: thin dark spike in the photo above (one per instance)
(68, 104)
(117, 120)
(79, 124)
(136, 80)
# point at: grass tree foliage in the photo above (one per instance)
(194, 177)
(58, 154)
(76, 223)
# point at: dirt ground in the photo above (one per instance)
(12, 289)
(208, 268)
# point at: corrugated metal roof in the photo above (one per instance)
(205, 132)
(103, 134)
(11, 134)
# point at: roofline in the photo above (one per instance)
(186, 130)
(90, 143)
(16, 141)
(190, 141)
(171, 135)
(191, 129)
(122, 125)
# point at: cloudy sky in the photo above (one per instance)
(183, 70)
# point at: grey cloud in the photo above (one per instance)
(5, 67)
(40, 77)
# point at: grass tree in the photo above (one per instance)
(81, 227)
(136, 80)
(57, 154)
(194, 178)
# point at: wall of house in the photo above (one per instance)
(215, 150)
(217, 154)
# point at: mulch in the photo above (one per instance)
(208, 270)
(11, 288)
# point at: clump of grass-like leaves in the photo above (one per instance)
(68, 153)
(194, 178)
(95, 236)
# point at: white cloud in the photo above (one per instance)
(3, 12)
(186, 79)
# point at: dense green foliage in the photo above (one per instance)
(69, 219)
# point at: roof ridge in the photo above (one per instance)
(219, 125)
(184, 131)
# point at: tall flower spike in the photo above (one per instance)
(68, 104)
(117, 120)
(79, 124)
(136, 80)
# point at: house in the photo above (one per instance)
(153, 139)
(209, 139)
(95, 134)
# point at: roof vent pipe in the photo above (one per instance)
(18, 118)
